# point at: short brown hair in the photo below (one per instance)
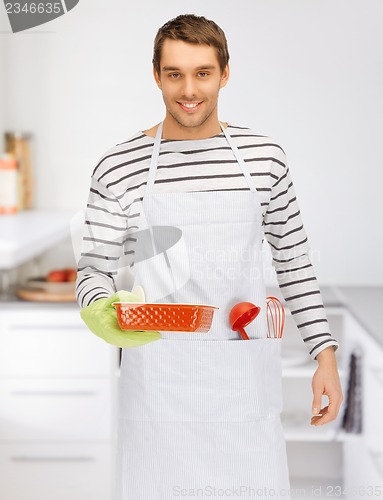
(192, 29)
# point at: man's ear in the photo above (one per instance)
(157, 78)
(225, 76)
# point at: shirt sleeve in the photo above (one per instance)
(285, 233)
(104, 231)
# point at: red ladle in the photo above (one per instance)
(241, 315)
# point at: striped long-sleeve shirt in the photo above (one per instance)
(118, 184)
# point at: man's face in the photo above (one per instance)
(190, 80)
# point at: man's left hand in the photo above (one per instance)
(326, 382)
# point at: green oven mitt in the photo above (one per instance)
(101, 318)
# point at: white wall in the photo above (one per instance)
(307, 73)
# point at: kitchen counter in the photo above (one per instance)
(365, 303)
(29, 233)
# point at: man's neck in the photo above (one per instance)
(172, 130)
(153, 131)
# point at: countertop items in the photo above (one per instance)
(56, 286)
(40, 295)
(17, 145)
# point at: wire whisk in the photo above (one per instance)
(275, 313)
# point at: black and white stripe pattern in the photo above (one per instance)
(118, 184)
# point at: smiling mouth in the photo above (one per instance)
(189, 107)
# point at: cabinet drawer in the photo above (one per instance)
(43, 410)
(56, 472)
(52, 343)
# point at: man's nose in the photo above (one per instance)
(189, 87)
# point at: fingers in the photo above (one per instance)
(328, 413)
(317, 403)
(318, 391)
(326, 382)
(318, 418)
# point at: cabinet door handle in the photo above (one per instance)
(22, 458)
(378, 374)
(53, 393)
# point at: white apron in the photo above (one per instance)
(199, 413)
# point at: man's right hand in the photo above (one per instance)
(101, 318)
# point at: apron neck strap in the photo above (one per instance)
(156, 154)
(154, 160)
(240, 160)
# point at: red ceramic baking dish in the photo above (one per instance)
(165, 317)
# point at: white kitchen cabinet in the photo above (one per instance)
(363, 453)
(326, 461)
(372, 391)
(56, 471)
(55, 410)
(54, 343)
(314, 453)
(373, 404)
(363, 469)
(57, 406)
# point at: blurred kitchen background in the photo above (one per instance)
(309, 74)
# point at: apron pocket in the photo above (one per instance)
(202, 381)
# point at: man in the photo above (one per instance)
(182, 395)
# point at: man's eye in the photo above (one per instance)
(174, 75)
(203, 74)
